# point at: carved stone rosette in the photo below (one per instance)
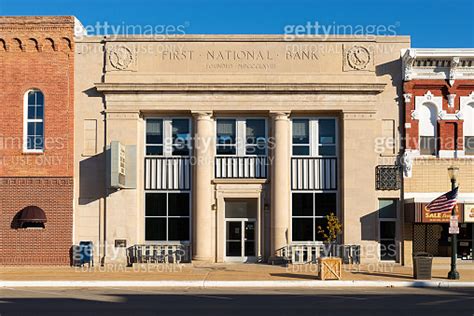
(357, 58)
(121, 57)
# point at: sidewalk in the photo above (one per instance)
(212, 273)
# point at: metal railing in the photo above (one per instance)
(158, 253)
(241, 167)
(167, 173)
(312, 252)
(313, 173)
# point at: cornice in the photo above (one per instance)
(355, 88)
(434, 64)
(290, 38)
(440, 52)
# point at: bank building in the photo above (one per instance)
(219, 148)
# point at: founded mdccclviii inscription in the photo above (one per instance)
(239, 59)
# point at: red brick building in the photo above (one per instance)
(439, 132)
(36, 139)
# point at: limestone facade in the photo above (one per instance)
(126, 88)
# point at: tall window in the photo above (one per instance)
(167, 216)
(241, 137)
(469, 129)
(309, 211)
(314, 137)
(428, 129)
(34, 121)
(168, 137)
(387, 229)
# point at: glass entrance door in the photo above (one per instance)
(241, 240)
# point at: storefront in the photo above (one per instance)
(431, 230)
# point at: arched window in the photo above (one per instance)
(34, 121)
(428, 129)
(468, 129)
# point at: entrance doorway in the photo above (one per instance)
(241, 230)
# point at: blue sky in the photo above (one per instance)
(431, 23)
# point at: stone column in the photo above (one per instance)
(203, 168)
(280, 182)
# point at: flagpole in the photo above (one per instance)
(453, 273)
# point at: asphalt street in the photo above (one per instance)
(295, 302)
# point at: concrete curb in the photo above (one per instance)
(202, 284)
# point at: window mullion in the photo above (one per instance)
(167, 134)
(314, 217)
(167, 217)
(314, 139)
(240, 136)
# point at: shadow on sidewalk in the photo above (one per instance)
(295, 276)
(385, 275)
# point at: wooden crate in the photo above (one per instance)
(330, 268)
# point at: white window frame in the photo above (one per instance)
(241, 135)
(26, 120)
(422, 133)
(428, 99)
(314, 136)
(168, 136)
(167, 241)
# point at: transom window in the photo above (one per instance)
(241, 137)
(168, 137)
(314, 137)
(309, 211)
(167, 216)
(34, 121)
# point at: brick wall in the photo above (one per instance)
(36, 246)
(447, 129)
(37, 52)
(431, 175)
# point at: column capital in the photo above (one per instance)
(280, 115)
(202, 115)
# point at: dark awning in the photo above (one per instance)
(32, 214)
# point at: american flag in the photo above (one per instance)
(444, 203)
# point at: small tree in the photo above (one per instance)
(332, 230)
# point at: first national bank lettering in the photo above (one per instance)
(238, 55)
(229, 59)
